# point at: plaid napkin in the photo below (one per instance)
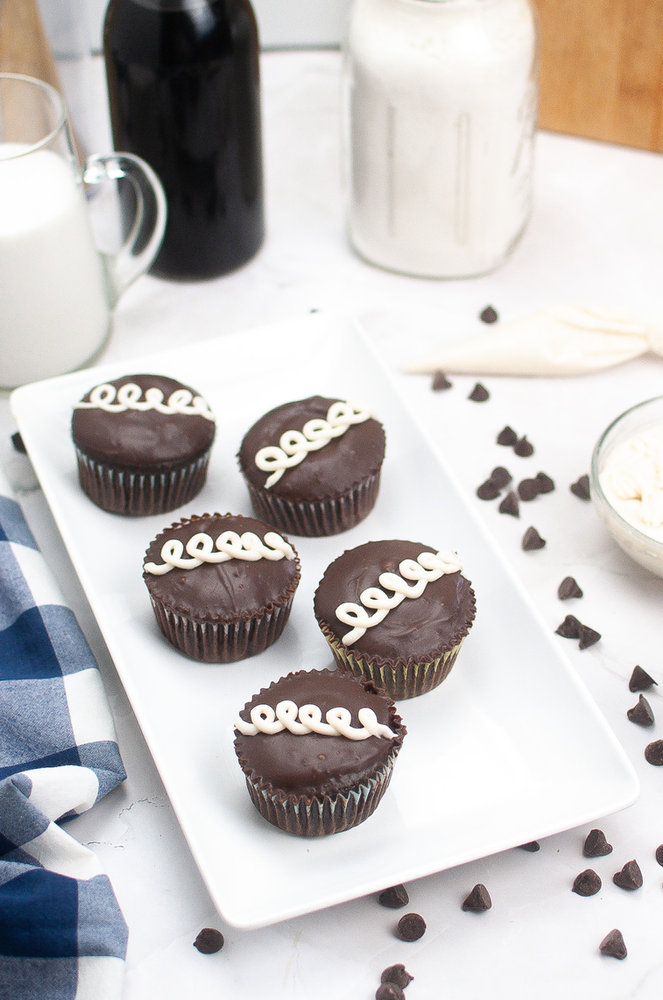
(62, 935)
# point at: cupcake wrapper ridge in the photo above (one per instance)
(121, 491)
(317, 518)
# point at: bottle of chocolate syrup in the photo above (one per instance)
(184, 93)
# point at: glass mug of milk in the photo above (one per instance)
(56, 290)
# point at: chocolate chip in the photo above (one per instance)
(568, 588)
(394, 897)
(659, 854)
(588, 636)
(587, 883)
(654, 753)
(389, 991)
(488, 315)
(18, 443)
(532, 846)
(523, 447)
(640, 680)
(440, 381)
(396, 974)
(209, 941)
(510, 505)
(411, 927)
(546, 485)
(507, 437)
(532, 540)
(528, 489)
(479, 393)
(613, 945)
(488, 490)
(630, 877)
(478, 900)
(501, 476)
(581, 488)
(596, 846)
(641, 713)
(570, 628)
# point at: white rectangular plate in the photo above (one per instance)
(510, 748)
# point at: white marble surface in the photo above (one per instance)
(594, 239)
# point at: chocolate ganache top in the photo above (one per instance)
(330, 471)
(140, 438)
(417, 627)
(313, 764)
(224, 591)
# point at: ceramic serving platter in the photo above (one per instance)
(510, 748)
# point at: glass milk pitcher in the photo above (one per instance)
(440, 103)
(56, 290)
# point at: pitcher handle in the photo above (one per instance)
(144, 240)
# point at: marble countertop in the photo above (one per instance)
(594, 239)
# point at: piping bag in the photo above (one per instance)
(560, 340)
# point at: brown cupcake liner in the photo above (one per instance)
(317, 518)
(321, 815)
(401, 680)
(135, 494)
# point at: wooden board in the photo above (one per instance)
(23, 44)
(601, 70)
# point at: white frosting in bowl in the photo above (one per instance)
(632, 481)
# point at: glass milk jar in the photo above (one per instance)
(440, 106)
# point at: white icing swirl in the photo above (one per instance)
(103, 397)
(200, 548)
(308, 719)
(294, 446)
(428, 567)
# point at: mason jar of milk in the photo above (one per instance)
(440, 102)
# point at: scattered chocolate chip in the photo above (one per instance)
(640, 680)
(532, 846)
(659, 854)
(478, 900)
(528, 489)
(479, 393)
(630, 877)
(209, 941)
(501, 476)
(440, 381)
(581, 488)
(532, 540)
(411, 927)
(613, 945)
(397, 974)
(510, 505)
(596, 846)
(587, 883)
(641, 713)
(654, 753)
(389, 991)
(546, 485)
(488, 315)
(488, 490)
(570, 628)
(394, 897)
(568, 588)
(18, 443)
(507, 436)
(523, 447)
(588, 636)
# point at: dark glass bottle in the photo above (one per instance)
(184, 93)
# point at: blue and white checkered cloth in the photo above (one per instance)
(62, 935)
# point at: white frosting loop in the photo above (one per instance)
(129, 397)
(294, 446)
(429, 566)
(264, 719)
(229, 545)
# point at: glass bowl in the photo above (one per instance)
(641, 547)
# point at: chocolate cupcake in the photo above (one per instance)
(317, 749)
(221, 586)
(395, 612)
(142, 444)
(313, 466)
